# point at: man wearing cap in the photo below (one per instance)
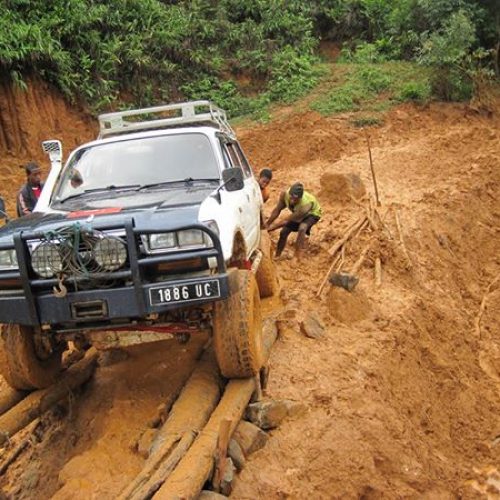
(30, 192)
(306, 212)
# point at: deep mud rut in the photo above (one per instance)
(403, 390)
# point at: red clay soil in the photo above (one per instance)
(402, 393)
(403, 390)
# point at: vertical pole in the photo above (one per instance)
(373, 170)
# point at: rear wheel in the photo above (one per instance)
(20, 364)
(266, 277)
(237, 328)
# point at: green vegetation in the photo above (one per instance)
(246, 54)
(375, 86)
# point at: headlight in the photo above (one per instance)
(110, 253)
(161, 241)
(8, 259)
(191, 238)
(46, 260)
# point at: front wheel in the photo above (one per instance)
(237, 328)
(20, 365)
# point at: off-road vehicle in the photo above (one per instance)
(153, 227)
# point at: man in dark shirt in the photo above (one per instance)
(28, 195)
(265, 176)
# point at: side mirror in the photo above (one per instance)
(233, 179)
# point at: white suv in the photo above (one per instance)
(154, 226)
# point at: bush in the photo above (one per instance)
(373, 79)
(447, 53)
(363, 53)
(345, 98)
(292, 75)
(414, 91)
(367, 121)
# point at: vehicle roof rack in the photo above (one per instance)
(166, 116)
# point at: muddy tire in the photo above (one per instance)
(266, 276)
(19, 363)
(237, 328)
(267, 280)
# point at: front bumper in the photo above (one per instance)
(36, 305)
(99, 306)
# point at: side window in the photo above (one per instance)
(225, 154)
(233, 157)
(244, 162)
(235, 160)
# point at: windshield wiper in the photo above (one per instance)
(187, 180)
(112, 187)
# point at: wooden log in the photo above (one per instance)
(221, 454)
(357, 265)
(188, 415)
(36, 403)
(9, 398)
(348, 234)
(354, 229)
(188, 478)
(31, 428)
(378, 272)
(327, 275)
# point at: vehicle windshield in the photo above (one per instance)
(136, 163)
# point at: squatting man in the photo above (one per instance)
(306, 212)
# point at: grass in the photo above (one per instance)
(364, 90)
(373, 87)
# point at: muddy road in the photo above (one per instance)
(402, 390)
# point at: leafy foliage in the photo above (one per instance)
(375, 86)
(243, 54)
(447, 53)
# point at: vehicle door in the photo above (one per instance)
(246, 200)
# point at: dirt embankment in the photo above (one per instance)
(28, 117)
(403, 390)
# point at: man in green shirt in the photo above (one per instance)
(306, 212)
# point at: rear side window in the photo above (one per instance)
(234, 157)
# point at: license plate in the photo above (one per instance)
(184, 293)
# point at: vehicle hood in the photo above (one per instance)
(161, 210)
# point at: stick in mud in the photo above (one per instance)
(378, 272)
(372, 168)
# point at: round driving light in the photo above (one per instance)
(46, 260)
(110, 253)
